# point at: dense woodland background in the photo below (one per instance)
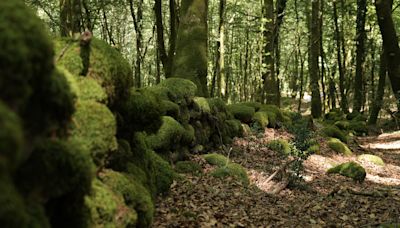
(256, 50)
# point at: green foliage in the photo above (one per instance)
(334, 115)
(280, 145)
(201, 105)
(140, 112)
(95, 125)
(56, 168)
(349, 169)
(356, 116)
(339, 147)
(232, 170)
(372, 158)
(108, 209)
(11, 138)
(342, 124)
(256, 105)
(216, 159)
(134, 194)
(26, 58)
(242, 112)
(188, 167)
(314, 149)
(359, 127)
(275, 110)
(261, 118)
(334, 132)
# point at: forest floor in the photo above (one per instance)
(320, 200)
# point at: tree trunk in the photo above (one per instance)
(360, 55)
(138, 24)
(220, 63)
(377, 104)
(70, 17)
(191, 50)
(390, 44)
(316, 106)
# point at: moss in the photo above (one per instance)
(359, 127)
(242, 112)
(170, 109)
(349, 169)
(216, 159)
(342, 124)
(24, 67)
(189, 136)
(179, 89)
(272, 120)
(89, 89)
(334, 132)
(273, 109)
(372, 158)
(256, 105)
(356, 116)
(140, 112)
(134, 194)
(12, 211)
(246, 130)
(108, 209)
(234, 128)
(314, 149)
(339, 147)
(217, 105)
(95, 125)
(11, 138)
(118, 160)
(334, 115)
(56, 168)
(37, 214)
(68, 55)
(280, 146)
(232, 170)
(163, 172)
(261, 118)
(201, 105)
(188, 167)
(168, 136)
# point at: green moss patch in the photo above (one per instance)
(335, 132)
(371, 158)
(201, 105)
(280, 146)
(179, 89)
(216, 159)
(261, 118)
(95, 125)
(351, 170)
(342, 124)
(233, 128)
(256, 105)
(163, 173)
(232, 170)
(359, 127)
(339, 147)
(89, 89)
(242, 112)
(190, 167)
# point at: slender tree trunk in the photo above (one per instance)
(220, 62)
(377, 103)
(246, 66)
(390, 44)
(138, 24)
(360, 55)
(343, 97)
(191, 50)
(70, 17)
(322, 54)
(316, 106)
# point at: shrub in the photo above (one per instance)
(349, 169)
(339, 147)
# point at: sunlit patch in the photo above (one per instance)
(394, 145)
(383, 180)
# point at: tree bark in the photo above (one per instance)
(316, 106)
(360, 55)
(138, 24)
(70, 17)
(220, 63)
(377, 104)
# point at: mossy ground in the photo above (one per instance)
(232, 170)
(188, 167)
(280, 145)
(216, 159)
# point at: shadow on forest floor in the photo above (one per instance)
(319, 201)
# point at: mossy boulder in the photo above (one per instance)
(24, 67)
(134, 194)
(351, 170)
(233, 128)
(217, 105)
(339, 147)
(201, 105)
(356, 116)
(190, 167)
(334, 115)
(216, 159)
(140, 112)
(56, 168)
(261, 119)
(89, 89)
(280, 145)
(314, 149)
(179, 90)
(242, 112)
(163, 173)
(371, 158)
(232, 170)
(11, 138)
(334, 132)
(273, 109)
(256, 105)
(170, 109)
(168, 137)
(108, 209)
(95, 125)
